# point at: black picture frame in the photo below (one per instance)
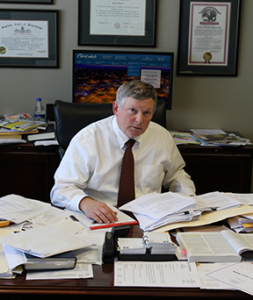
(48, 57)
(227, 65)
(28, 1)
(85, 38)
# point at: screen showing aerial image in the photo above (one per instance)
(97, 76)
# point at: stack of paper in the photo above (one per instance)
(240, 224)
(155, 210)
(159, 243)
(209, 137)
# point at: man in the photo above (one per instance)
(89, 173)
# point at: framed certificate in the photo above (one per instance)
(117, 23)
(29, 38)
(208, 37)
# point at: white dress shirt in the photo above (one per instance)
(92, 162)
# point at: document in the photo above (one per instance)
(156, 274)
(5, 271)
(238, 276)
(209, 283)
(80, 271)
(216, 201)
(125, 17)
(209, 217)
(157, 206)
(51, 241)
(19, 209)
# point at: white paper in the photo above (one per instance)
(90, 255)
(51, 241)
(239, 276)
(209, 283)
(156, 274)
(14, 257)
(46, 143)
(207, 131)
(19, 209)
(68, 225)
(50, 217)
(80, 271)
(157, 206)
(216, 201)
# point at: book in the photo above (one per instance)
(62, 261)
(184, 138)
(41, 136)
(5, 131)
(224, 246)
(11, 139)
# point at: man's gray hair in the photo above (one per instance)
(138, 90)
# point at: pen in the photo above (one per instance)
(100, 226)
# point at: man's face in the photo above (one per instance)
(134, 117)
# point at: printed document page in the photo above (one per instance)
(239, 276)
(156, 274)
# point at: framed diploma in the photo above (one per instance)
(117, 23)
(28, 1)
(29, 38)
(208, 37)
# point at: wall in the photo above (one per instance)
(198, 102)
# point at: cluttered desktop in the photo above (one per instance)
(42, 246)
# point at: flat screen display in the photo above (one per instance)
(97, 75)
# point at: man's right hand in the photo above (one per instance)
(97, 211)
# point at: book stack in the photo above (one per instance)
(159, 243)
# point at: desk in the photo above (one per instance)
(223, 169)
(28, 170)
(101, 286)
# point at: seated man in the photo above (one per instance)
(89, 173)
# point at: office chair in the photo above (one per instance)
(72, 117)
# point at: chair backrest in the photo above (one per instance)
(72, 117)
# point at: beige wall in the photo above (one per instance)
(198, 102)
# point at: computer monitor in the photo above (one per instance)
(98, 74)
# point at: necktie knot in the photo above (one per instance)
(129, 144)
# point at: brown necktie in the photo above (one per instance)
(126, 183)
